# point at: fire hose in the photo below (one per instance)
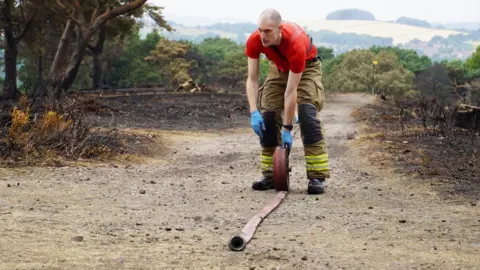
(281, 182)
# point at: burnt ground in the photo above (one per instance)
(174, 111)
(447, 158)
(178, 208)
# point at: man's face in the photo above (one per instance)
(269, 32)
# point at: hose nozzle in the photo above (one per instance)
(237, 243)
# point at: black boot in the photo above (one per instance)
(263, 184)
(316, 186)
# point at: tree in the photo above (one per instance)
(214, 51)
(456, 70)
(473, 62)
(395, 82)
(13, 14)
(37, 49)
(199, 71)
(232, 72)
(436, 97)
(169, 56)
(85, 27)
(434, 83)
(353, 72)
(120, 27)
(325, 53)
(125, 60)
(408, 58)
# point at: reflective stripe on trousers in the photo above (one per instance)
(267, 162)
(317, 163)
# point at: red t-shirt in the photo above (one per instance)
(293, 47)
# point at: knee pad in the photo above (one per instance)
(309, 123)
(269, 137)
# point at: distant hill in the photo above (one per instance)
(414, 22)
(350, 14)
(399, 33)
(345, 35)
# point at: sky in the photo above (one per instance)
(440, 11)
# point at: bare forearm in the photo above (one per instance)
(289, 106)
(252, 92)
(291, 97)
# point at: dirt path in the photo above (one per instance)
(179, 212)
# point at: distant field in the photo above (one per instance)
(194, 31)
(399, 32)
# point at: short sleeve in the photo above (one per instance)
(252, 48)
(297, 59)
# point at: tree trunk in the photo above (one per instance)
(72, 69)
(10, 46)
(84, 34)
(97, 52)
(57, 69)
(60, 59)
(39, 74)
(97, 70)
(10, 90)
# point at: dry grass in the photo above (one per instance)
(57, 137)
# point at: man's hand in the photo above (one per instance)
(287, 139)
(257, 123)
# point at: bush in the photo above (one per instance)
(52, 136)
(353, 72)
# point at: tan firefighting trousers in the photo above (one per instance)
(309, 91)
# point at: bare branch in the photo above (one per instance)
(91, 47)
(26, 27)
(160, 21)
(95, 12)
(59, 2)
(76, 4)
(118, 11)
(69, 14)
(21, 10)
(110, 14)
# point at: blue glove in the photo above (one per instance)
(257, 123)
(286, 139)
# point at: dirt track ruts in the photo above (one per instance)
(178, 211)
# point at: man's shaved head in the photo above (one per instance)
(271, 15)
(269, 25)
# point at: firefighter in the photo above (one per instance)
(293, 83)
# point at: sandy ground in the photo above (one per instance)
(179, 210)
